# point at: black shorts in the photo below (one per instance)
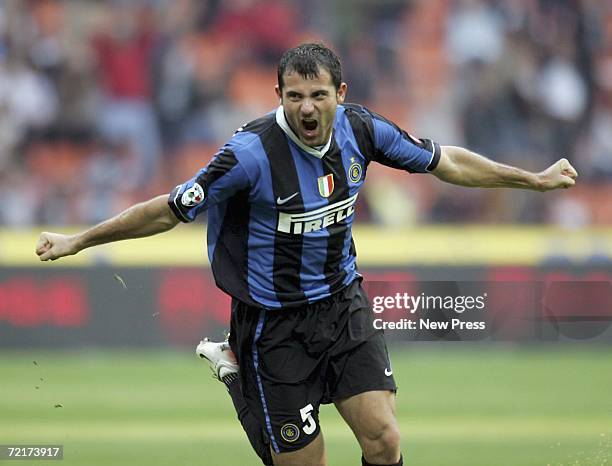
(293, 360)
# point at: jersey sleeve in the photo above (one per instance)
(396, 148)
(223, 177)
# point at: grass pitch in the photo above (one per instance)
(457, 405)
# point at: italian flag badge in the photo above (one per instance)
(326, 185)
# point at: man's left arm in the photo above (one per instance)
(465, 168)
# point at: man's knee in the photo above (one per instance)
(382, 444)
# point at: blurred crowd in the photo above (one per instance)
(106, 103)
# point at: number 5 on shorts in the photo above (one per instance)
(307, 417)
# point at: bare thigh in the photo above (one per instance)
(371, 416)
(312, 454)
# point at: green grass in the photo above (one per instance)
(474, 406)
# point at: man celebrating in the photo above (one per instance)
(281, 199)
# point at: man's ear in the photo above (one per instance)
(341, 93)
(279, 94)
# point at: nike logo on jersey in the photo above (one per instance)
(388, 372)
(280, 201)
(318, 219)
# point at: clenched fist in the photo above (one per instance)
(52, 246)
(561, 174)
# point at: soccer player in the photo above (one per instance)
(281, 200)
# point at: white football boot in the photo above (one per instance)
(220, 356)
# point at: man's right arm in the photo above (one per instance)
(144, 219)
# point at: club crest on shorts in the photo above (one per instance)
(193, 196)
(355, 171)
(290, 432)
(326, 185)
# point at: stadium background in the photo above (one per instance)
(103, 104)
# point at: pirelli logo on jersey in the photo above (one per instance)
(315, 220)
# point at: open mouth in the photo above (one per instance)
(310, 125)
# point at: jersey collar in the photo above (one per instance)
(282, 122)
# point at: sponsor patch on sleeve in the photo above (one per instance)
(193, 196)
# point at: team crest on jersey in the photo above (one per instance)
(355, 171)
(193, 196)
(290, 432)
(326, 185)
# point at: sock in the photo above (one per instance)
(250, 425)
(399, 463)
(229, 379)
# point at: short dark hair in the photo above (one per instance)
(306, 59)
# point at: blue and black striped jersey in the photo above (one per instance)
(280, 213)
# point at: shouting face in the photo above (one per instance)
(310, 105)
